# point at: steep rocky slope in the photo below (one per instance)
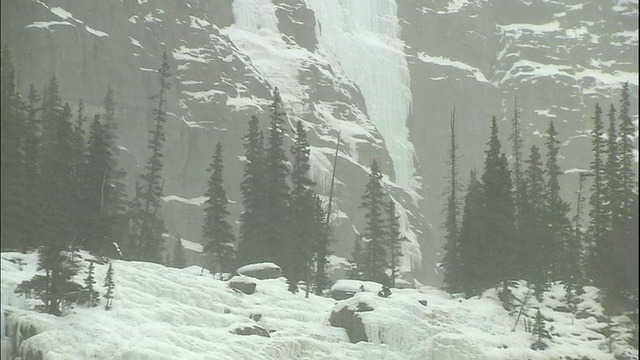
(384, 74)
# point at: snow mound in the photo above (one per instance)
(168, 313)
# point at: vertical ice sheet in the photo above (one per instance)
(364, 38)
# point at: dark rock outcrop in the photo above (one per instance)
(247, 330)
(243, 284)
(349, 319)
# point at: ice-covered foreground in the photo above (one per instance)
(166, 313)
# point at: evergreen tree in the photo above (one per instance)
(470, 243)
(148, 237)
(302, 219)
(276, 196)
(357, 260)
(216, 230)
(56, 287)
(625, 223)
(94, 187)
(393, 241)
(597, 214)
(109, 285)
(320, 240)
(252, 246)
(178, 254)
(518, 176)
(557, 221)
(375, 255)
(532, 248)
(11, 196)
(540, 332)
(92, 295)
(113, 190)
(31, 171)
(451, 260)
(78, 164)
(498, 213)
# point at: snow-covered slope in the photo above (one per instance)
(168, 313)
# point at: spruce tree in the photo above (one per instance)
(557, 221)
(95, 187)
(56, 288)
(320, 239)
(253, 247)
(394, 240)
(540, 332)
(148, 237)
(470, 248)
(625, 224)
(178, 254)
(113, 219)
(357, 261)
(518, 175)
(216, 230)
(31, 171)
(451, 260)
(92, 296)
(301, 218)
(499, 210)
(375, 232)
(78, 164)
(276, 196)
(109, 285)
(597, 214)
(11, 196)
(534, 234)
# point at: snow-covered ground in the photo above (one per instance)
(168, 313)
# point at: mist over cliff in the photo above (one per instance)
(385, 74)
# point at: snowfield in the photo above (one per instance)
(168, 313)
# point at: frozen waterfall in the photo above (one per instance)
(364, 38)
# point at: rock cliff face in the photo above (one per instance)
(384, 74)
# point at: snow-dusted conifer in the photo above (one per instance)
(109, 285)
(92, 295)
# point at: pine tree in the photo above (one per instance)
(149, 241)
(540, 332)
(557, 221)
(11, 196)
(216, 230)
(597, 214)
(394, 240)
(375, 255)
(276, 196)
(451, 260)
(499, 214)
(470, 244)
(109, 285)
(178, 254)
(252, 246)
(532, 249)
(92, 295)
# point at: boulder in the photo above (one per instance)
(246, 330)
(243, 284)
(348, 318)
(341, 294)
(261, 271)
